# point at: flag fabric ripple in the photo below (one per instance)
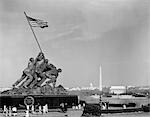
(37, 22)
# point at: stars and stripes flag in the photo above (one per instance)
(37, 22)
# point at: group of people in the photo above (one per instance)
(33, 109)
(63, 107)
(37, 71)
(10, 111)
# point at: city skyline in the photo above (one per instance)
(82, 35)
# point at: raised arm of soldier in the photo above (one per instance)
(39, 60)
(40, 57)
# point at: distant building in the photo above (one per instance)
(82, 88)
(117, 89)
(74, 89)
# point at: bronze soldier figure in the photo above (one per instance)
(52, 73)
(37, 72)
(40, 65)
(27, 72)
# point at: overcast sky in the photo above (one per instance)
(82, 35)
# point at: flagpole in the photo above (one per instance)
(33, 33)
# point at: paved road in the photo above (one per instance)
(76, 113)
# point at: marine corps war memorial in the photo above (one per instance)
(37, 85)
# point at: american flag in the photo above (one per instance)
(37, 22)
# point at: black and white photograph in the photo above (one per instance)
(74, 58)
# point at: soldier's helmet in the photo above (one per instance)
(59, 70)
(31, 59)
(52, 66)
